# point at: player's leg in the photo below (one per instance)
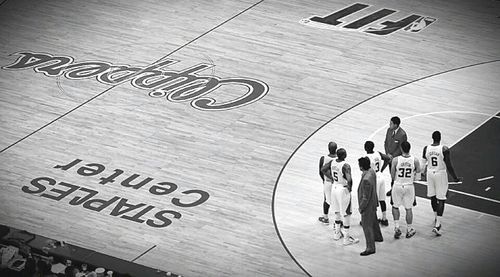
(335, 206)
(441, 190)
(327, 191)
(346, 211)
(397, 201)
(381, 198)
(409, 196)
(431, 192)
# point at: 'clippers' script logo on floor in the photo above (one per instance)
(412, 23)
(176, 86)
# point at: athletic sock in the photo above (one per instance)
(396, 224)
(336, 226)
(438, 221)
(345, 231)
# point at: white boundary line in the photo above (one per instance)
(461, 192)
(485, 178)
(476, 196)
(441, 112)
(477, 127)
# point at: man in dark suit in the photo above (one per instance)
(367, 199)
(393, 138)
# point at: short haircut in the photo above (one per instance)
(396, 120)
(369, 145)
(405, 146)
(364, 163)
(341, 153)
(436, 136)
(332, 147)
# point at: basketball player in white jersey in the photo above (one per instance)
(403, 170)
(327, 181)
(341, 196)
(378, 163)
(437, 163)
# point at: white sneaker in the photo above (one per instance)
(410, 233)
(350, 240)
(324, 220)
(437, 230)
(337, 235)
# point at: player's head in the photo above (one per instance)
(369, 145)
(405, 146)
(395, 121)
(341, 153)
(364, 163)
(332, 147)
(436, 136)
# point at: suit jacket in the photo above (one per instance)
(393, 142)
(367, 191)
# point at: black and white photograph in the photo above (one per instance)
(299, 138)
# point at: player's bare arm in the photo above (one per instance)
(393, 168)
(417, 166)
(346, 170)
(326, 169)
(321, 161)
(424, 164)
(386, 159)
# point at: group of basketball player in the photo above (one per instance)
(404, 169)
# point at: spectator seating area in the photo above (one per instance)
(28, 255)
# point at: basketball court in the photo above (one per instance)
(184, 136)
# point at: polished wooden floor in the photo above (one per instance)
(257, 162)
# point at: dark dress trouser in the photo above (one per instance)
(371, 228)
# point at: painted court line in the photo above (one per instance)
(485, 178)
(476, 196)
(461, 192)
(477, 127)
(444, 112)
(144, 253)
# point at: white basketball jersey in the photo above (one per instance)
(326, 160)
(338, 176)
(435, 158)
(405, 170)
(375, 161)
